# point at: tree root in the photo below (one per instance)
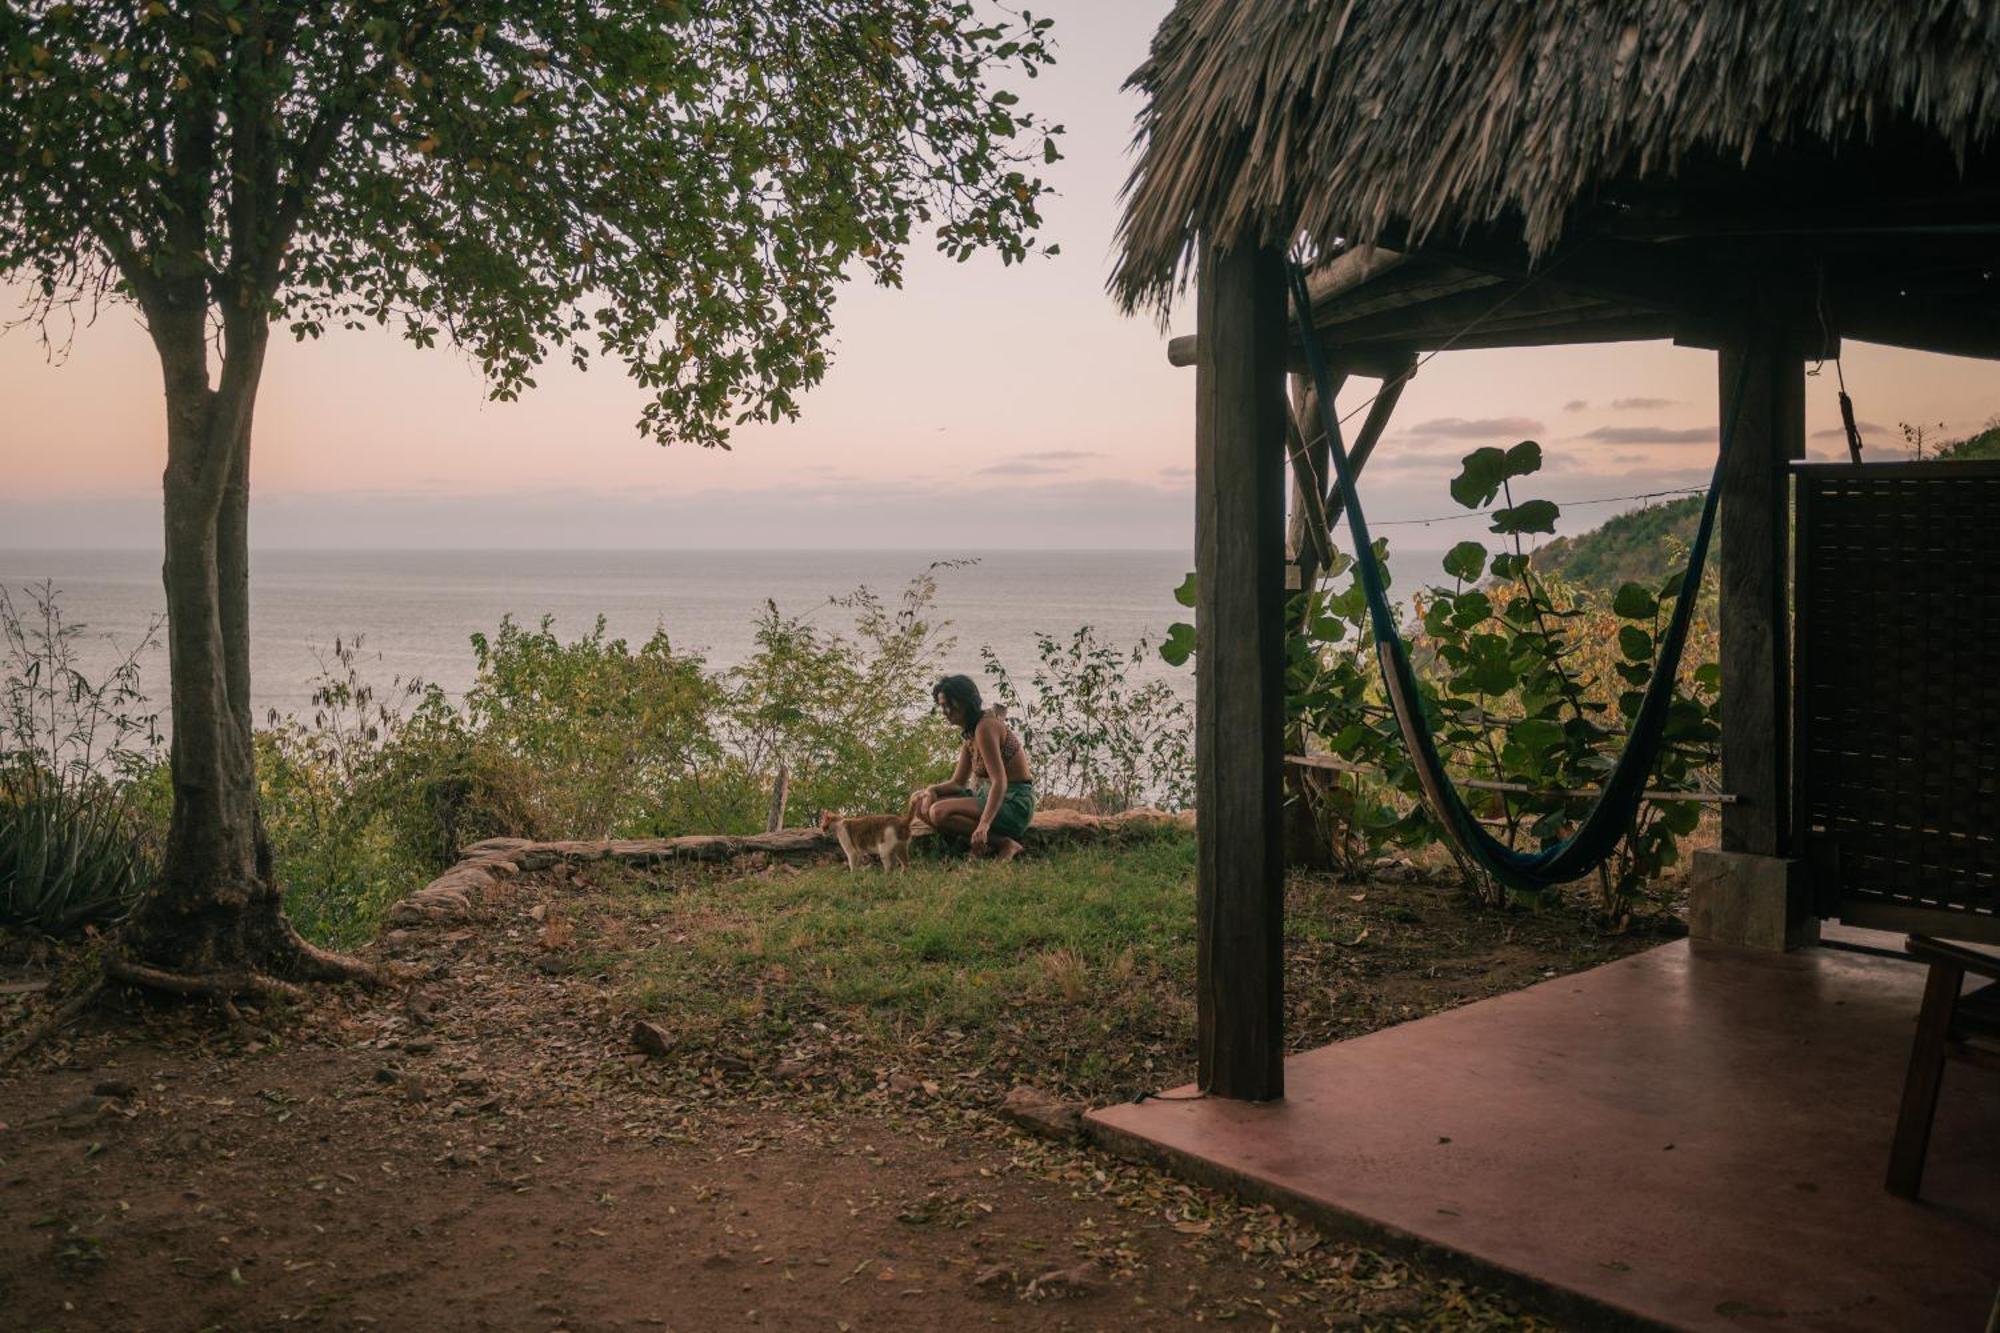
(53, 1024)
(224, 986)
(312, 963)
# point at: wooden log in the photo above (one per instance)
(1769, 431)
(1240, 416)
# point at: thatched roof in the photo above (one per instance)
(1349, 120)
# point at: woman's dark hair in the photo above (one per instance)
(963, 691)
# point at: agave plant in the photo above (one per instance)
(75, 753)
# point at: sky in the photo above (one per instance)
(981, 406)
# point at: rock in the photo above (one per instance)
(1043, 1114)
(652, 1039)
(115, 1087)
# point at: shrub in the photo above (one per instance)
(849, 717)
(78, 760)
(1526, 682)
(1095, 734)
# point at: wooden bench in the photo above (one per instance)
(1950, 1026)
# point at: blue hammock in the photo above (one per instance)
(1611, 816)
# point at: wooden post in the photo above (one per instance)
(1240, 416)
(1769, 431)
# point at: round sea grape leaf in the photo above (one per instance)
(1635, 643)
(1329, 629)
(1528, 516)
(1465, 561)
(1673, 584)
(1635, 603)
(1635, 673)
(1185, 594)
(1178, 646)
(1507, 566)
(1680, 817)
(1471, 609)
(1524, 459)
(1480, 475)
(1709, 674)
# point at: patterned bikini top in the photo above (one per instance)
(1010, 747)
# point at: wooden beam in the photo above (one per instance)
(1305, 533)
(1370, 362)
(1768, 432)
(1240, 421)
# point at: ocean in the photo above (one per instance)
(414, 611)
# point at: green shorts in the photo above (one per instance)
(1017, 807)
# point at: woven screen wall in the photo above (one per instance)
(1897, 725)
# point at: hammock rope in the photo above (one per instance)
(1610, 816)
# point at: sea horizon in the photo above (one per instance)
(415, 610)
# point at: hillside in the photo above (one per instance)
(1986, 444)
(1629, 548)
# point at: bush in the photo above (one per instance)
(79, 759)
(1094, 734)
(850, 718)
(1526, 682)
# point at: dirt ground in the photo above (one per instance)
(480, 1147)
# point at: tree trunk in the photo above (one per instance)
(214, 923)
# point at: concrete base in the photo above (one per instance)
(1693, 1137)
(1756, 902)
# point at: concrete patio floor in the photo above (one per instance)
(1694, 1137)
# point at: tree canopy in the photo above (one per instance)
(678, 186)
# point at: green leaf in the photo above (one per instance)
(1635, 673)
(1480, 476)
(1635, 603)
(1178, 646)
(1489, 667)
(1471, 608)
(1709, 674)
(1466, 560)
(1185, 594)
(1524, 459)
(1671, 586)
(1529, 516)
(1680, 817)
(1507, 566)
(1635, 643)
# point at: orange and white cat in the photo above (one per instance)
(865, 836)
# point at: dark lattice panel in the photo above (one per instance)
(1898, 691)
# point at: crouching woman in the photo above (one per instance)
(994, 811)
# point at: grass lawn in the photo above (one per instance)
(1074, 970)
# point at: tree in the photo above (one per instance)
(679, 185)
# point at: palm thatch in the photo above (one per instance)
(1337, 120)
